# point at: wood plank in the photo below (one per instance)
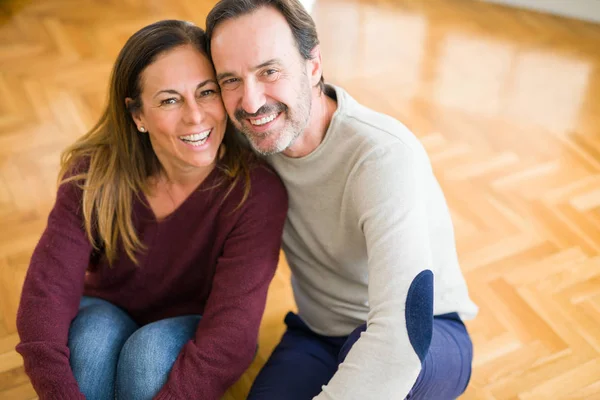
(505, 101)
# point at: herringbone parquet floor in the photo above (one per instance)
(506, 102)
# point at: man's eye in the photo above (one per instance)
(229, 81)
(270, 75)
(170, 101)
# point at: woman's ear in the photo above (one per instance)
(135, 113)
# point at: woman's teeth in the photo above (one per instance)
(197, 139)
(264, 120)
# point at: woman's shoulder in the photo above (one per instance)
(266, 188)
(266, 201)
(265, 181)
(263, 175)
(75, 169)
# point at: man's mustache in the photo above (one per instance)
(276, 108)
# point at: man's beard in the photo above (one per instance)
(295, 124)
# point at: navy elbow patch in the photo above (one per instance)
(419, 313)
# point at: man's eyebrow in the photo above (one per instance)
(224, 75)
(272, 61)
(173, 91)
(267, 63)
(206, 82)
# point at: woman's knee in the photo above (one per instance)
(99, 330)
(96, 337)
(149, 354)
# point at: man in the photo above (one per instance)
(368, 228)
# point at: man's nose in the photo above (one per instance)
(254, 97)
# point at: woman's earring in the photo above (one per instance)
(142, 129)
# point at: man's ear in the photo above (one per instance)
(134, 111)
(315, 68)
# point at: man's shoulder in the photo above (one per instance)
(365, 124)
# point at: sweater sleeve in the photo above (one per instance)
(50, 298)
(226, 338)
(387, 188)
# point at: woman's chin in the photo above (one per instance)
(203, 161)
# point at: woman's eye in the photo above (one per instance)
(170, 101)
(207, 92)
(270, 72)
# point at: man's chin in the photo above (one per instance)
(266, 145)
(265, 149)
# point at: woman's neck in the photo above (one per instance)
(173, 185)
(186, 177)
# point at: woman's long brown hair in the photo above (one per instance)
(118, 159)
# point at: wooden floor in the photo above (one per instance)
(506, 102)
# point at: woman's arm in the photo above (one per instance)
(50, 298)
(226, 337)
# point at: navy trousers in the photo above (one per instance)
(305, 361)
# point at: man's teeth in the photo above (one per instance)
(196, 139)
(264, 120)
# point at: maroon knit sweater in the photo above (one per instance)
(205, 258)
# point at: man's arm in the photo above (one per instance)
(389, 198)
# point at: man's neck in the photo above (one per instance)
(322, 110)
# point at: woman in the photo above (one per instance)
(151, 277)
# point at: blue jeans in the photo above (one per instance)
(305, 361)
(113, 358)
